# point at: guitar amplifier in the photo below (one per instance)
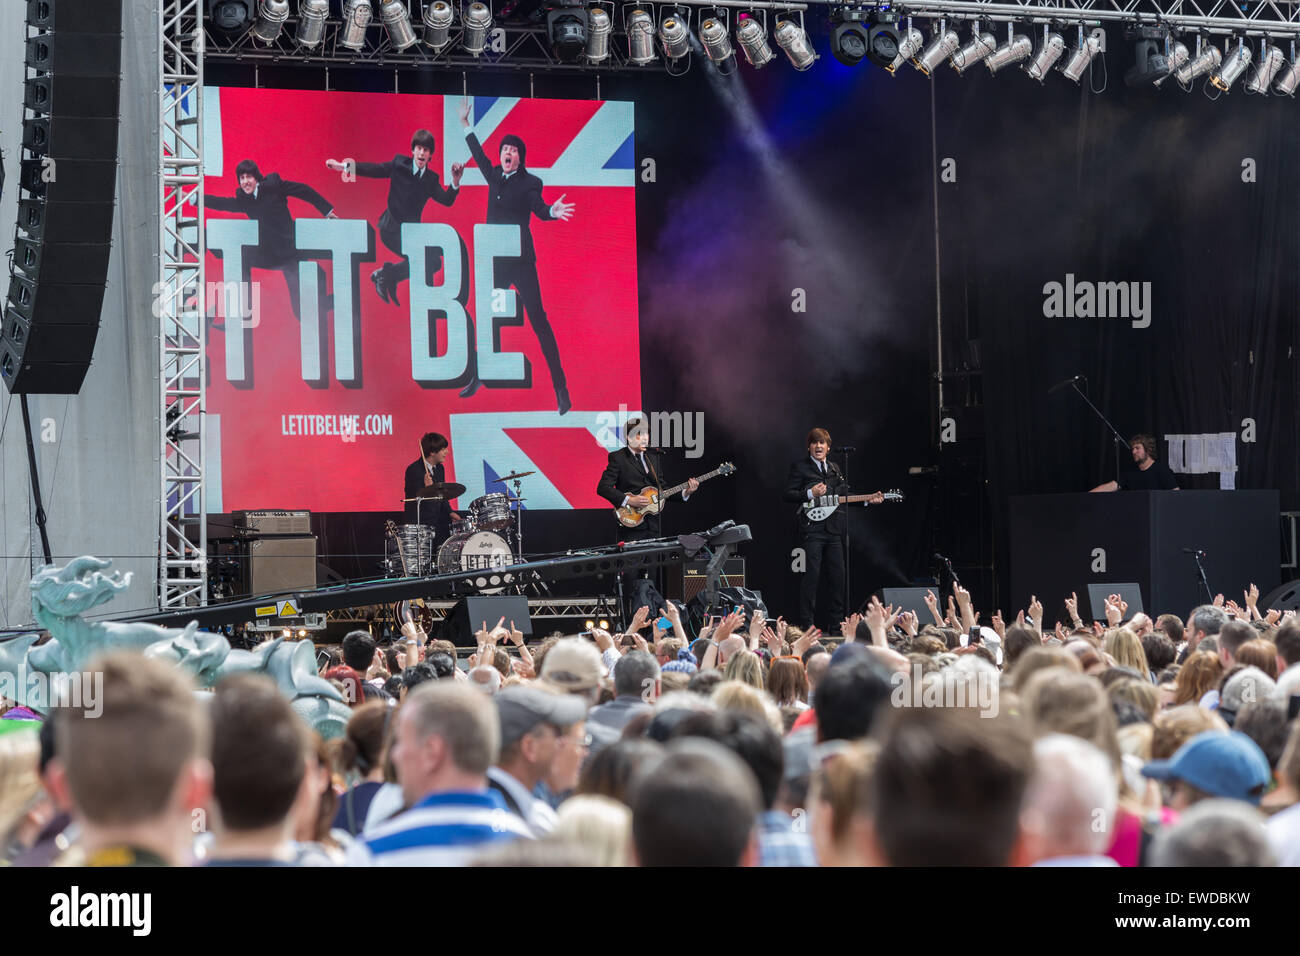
(692, 579)
(277, 564)
(272, 522)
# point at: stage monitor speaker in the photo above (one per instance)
(1130, 593)
(1285, 598)
(912, 599)
(277, 565)
(471, 612)
(693, 579)
(69, 175)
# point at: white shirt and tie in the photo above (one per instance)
(825, 473)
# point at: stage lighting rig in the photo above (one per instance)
(882, 37)
(1151, 61)
(1178, 57)
(233, 16)
(977, 49)
(640, 37)
(1234, 64)
(717, 43)
(599, 27)
(477, 21)
(356, 18)
(943, 44)
(751, 36)
(1206, 59)
(397, 21)
(270, 20)
(312, 15)
(438, 18)
(566, 28)
(1049, 52)
(849, 40)
(793, 39)
(674, 37)
(1083, 52)
(909, 45)
(1290, 77)
(1017, 47)
(1270, 61)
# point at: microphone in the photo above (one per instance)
(942, 558)
(1199, 554)
(1064, 383)
(846, 448)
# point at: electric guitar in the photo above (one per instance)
(631, 516)
(819, 509)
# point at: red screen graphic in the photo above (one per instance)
(332, 427)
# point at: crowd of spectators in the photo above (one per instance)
(1125, 742)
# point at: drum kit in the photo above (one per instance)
(488, 535)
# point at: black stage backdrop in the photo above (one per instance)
(775, 190)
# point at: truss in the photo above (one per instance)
(538, 609)
(182, 533)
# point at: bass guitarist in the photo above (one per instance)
(631, 469)
(822, 542)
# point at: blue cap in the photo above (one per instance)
(848, 651)
(1223, 765)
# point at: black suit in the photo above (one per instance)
(435, 514)
(822, 543)
(277, 246)
(513, 200)
(407, 196)
(624, 476)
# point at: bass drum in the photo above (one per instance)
(479, 550)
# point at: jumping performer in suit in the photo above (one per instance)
(514, 196)
(411, 184)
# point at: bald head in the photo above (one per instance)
(730, 647)
(816, 668)
(486, 678)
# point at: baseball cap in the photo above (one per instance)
(1220, 764)
(573, 664)
(523, 708)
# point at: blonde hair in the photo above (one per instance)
(1126, 647)
(1141, 693)
(735, 695)
(600, 825)
(746, 667)
(20, 778)
(1177, 725)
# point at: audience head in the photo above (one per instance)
(1214, 764)
(1264, 721)
(1214, 833)
(1198, 676)
(600, 825)
(637, 675)
(611, 769)
(359, 651)
(1070, 802)
(746, 667)
(1258, 653)
(1232, 635)
(788, 681)
(749, 738)
(849, 698)
(573, 665)
(1204, 621)
(448, 734)
(1177, 725)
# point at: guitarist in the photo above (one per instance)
(631, 469)
(822, 541)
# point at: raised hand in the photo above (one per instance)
(1072, 608)
(849, 626)
(1218, 600)
(516, 635)
(463, 112)
(639, 619)
(1000, 626)
(456, 170)
(773, 642)
(561, 209)
(907, 620)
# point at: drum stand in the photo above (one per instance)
(517, 535)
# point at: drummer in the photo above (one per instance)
(424, 471)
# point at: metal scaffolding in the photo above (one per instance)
(179, 297)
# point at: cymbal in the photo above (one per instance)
(441, 490)
(518, 474)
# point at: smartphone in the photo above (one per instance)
(738, 609)
(664, 624)
(975, 635)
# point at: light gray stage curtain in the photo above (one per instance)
(99, 475)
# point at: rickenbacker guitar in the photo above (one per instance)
(819, 509)
(630, 516)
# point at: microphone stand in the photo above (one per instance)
(843, 481)
(1119, 439)
(1200, 570)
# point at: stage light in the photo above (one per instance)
(604, 624)
(674, 38)
(356, 17)
(1270, 62)
(286, 633)
(312, 15)
(270, 20)
(1205, 61)
(1011, 52)
(793, 39)
(1047, 55)
(477, 22)
(753, 42)
(1178, 57)
(975, 51)
(302, 632)
(716, 43)
(599, 28)
(1289, 78)
(230, 15)
(943, 45)
(640, 38)
(1234, 64)
(438, 17)
(908, 45)
(882, 39)
(1082, 54)
(849, 42)
(397, 21)
(567, 29)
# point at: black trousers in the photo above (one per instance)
(824, 573)
(270, 259)
(522, 274)
(390, 231)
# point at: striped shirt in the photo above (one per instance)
(443, 829)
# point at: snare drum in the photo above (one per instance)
(412, 545)
(475, 551)
(491, 512)
(463, 525)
